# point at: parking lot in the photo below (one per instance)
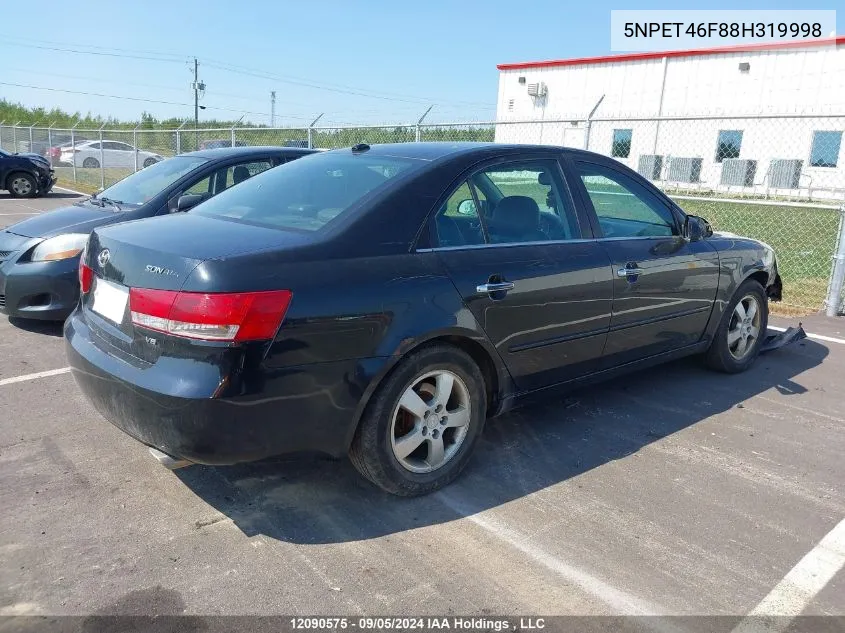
(675, 491)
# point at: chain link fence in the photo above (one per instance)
(780, 179)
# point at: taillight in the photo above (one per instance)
(237, 316)
(86, 276)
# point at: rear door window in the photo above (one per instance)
(458, 222)
(235, 174)
(532, 203)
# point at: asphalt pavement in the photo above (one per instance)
(676, 491)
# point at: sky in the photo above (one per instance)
(357, 62)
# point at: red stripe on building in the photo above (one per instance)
(630, 57)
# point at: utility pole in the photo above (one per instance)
(196, 94)
(198, 87)
(273, 109)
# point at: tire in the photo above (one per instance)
(150, 161)
(732, 350)
(21, 185)
(376, 450)
(90, 163)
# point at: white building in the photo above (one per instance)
(753, 119)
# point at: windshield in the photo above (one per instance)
(307, 193)
(151, 181)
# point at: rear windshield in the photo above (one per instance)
(306, 194)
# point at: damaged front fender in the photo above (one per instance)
(775, 290)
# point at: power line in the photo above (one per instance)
(126, 98)
(260, 74)
(176, 56)
(103, 54)
(254, 99)
(327, 87)
(297, 116)
(176, 103)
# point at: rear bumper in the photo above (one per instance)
(171, 404)
(47, 291)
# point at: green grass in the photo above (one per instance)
(804, 239)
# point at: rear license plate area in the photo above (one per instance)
(109, 300)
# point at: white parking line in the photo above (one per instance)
(798, 588)
(21, 204)
(78, 193)
(620, 601)
(40, 374)
(817, 337)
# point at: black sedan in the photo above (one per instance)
(25, 175)
(39, 257)
(384, 301)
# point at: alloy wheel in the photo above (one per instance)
(744, 327)
(430, 421)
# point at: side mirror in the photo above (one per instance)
(189, 200)
(467, 207)
(696, 228)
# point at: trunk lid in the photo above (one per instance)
(160, 254)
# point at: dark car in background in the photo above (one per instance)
(39, 256)
(384, 301)
(25, 175)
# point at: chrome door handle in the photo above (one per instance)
(629, 272)
(495, 287)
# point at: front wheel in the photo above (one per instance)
(22, 185)
(150, 161)
(420, 428)
(741, 331)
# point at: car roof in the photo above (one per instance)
(441, 149)
(221, 153)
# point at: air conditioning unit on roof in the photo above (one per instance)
(537, 89)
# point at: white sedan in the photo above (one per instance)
(107, 153)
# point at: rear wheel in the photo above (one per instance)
(741, 331)
(420, 427)
(21, 185)
(90, 163)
